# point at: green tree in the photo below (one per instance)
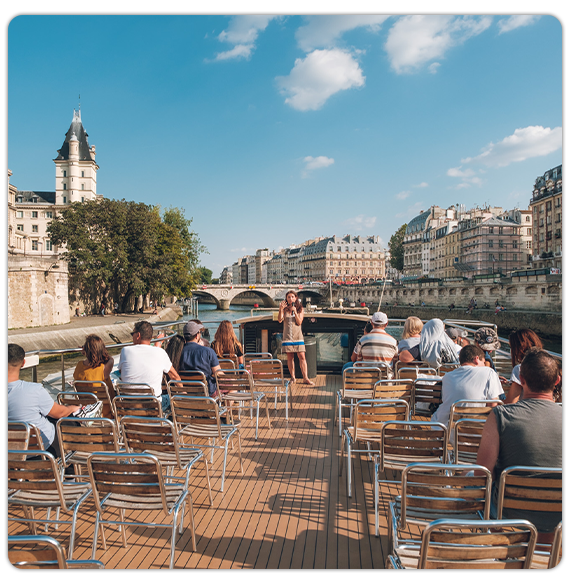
(119, 249)
(205, 275)
(396, 246)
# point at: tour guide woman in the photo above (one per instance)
(291, 313)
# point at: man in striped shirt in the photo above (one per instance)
(377, 346)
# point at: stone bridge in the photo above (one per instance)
(270, 295)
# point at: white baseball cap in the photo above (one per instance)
(379, 318)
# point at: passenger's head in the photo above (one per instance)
(225, 339)
(379, 320)
(487, 339)
(472, 354)
(520, 342)
(142, 332)
(367, 327)
(16, 355)
(174, 350)
(539, 371)
(191, 331)
(293, 299)
(205, 333)
(412, 327)
(456, 335)
(95, 351)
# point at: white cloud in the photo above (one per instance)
(242, 32)
(414, 41)
(403, 195)
(508, 24)
(361, 222)
(318, 162)
(459, 173)
(413, 210)
(526, 142)
(324, 31)
(421, 185)
(467, 176)
(433, 68)
(318, 76)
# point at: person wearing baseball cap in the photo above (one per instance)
(488, 340)
(458, 337)
(378, 345)
(198, 357)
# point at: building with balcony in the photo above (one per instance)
(546, 207)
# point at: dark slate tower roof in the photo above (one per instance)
(76, 128)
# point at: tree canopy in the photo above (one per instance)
(205, 275)
(119, 249)
(396, 246)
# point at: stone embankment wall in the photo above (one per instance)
(58, 338)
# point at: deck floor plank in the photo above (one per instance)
(288, 510)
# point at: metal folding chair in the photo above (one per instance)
(267, 375)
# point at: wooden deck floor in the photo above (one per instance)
(288, 510)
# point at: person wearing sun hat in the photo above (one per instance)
(488, 340)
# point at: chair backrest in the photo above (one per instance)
(409, 372)
(137, 406)
(76, 398)
(404, 442)
(256, 356)
(402, 389)
(35, 471)
(133, 389)
(152, 435)
(362, 379)
(43, 552)
(370, 415)
(466, 440)
(227, 364)
(87, 435)
(382, 366)
(18, 437)
(101, 390)
(449, 367)
(488, 544)
(413, 364)
(136, 477)
(439, 491)
(239, 380)
(231, 357)
(427, 392)
(267, 370)
(187, 387)
(556, 548)
(530, 489)
(193, 376)
(196, 415)
(470, 409)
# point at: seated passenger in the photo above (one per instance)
(488, 340)
(471, 381)
(458, 337)
(226, 343)
(527, 433)
(435, 347)
(174, 351)
(378, 345)
(520, 342)
(31, 402)
(96, 367)
(411, 333)
(354, 356)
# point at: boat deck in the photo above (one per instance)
(288, 510)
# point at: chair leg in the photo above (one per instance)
(239, 449)
(95, 535)
(207, 481)
(267, 413)
(123, 529)
(224, 465)
(376, 500)
(72, 535)
(348, 467)
(341, 464)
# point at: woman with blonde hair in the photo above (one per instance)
(96, 367)
(411, 334)
(226, 343)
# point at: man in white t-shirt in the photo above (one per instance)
(471, 381)
(143, 363)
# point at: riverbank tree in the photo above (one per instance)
(118, 250)
(396, 246)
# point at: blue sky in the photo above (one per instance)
(272, 130)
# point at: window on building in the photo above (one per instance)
(82, 174)
(65, 199)
(500, 230)
(548, 206)
(500, 257)
(49, 246)
(529, 244)
(19, 199)
(82, 199)
(19, 214)
(34, 213)
(491, 258)
(528, 218)
(515, 257)
(83, 186)
(515, 244)
(490, 244)
(64, 174)
(34, 245)
(34, 228)
(501, 244)
(491, 230)
(20, 227)
(65, 186)
(49, 214)
(529, 230)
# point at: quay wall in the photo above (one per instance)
(59, 337)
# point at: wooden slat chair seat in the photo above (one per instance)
(198, 417)
(136, 406)
(469, 544)
(35, 484)
(357, 384)
(409, 370)
(267, 376)
(431, 491)
(78, 438)
(548, 556)
(241, 394)
(43, 552)
(523, 490)
(101, 390)
(427, 395)
(403, 443)
(369, 417)
(135, 482)
(158, 437)
(133, 389)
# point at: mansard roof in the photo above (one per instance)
(42, 197)
(76, 128)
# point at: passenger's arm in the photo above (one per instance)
(60, 411)
(108, 368)
(405, 356)
(173, 374)
(514, 393)
(217, 371)
(488, 452)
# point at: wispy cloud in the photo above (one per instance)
(468, 177)
(317, 163)
(413, 210)
(318, 76)
(361, 222)
(403, 195)
(508, 24)
(421, 185)
(325, 31)
(242, 32)
(414, 41)
(526, 142)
